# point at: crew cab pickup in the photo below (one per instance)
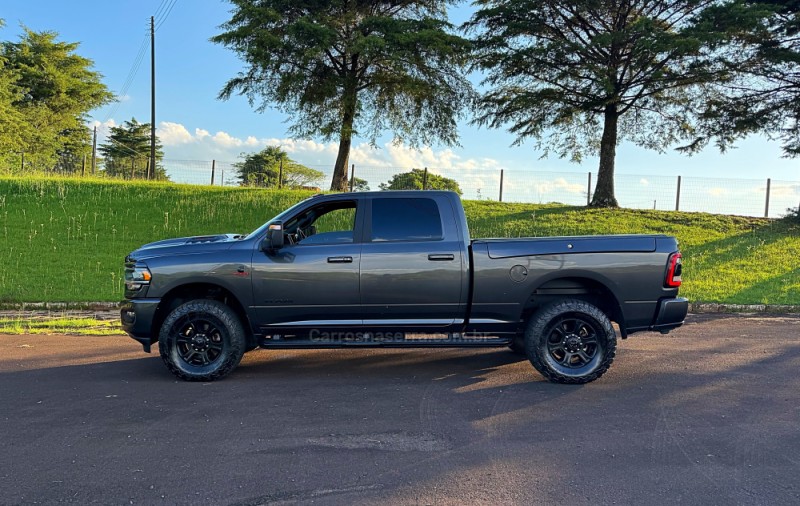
(397, 269)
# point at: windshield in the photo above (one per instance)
(263, 228)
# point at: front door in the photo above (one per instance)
(313, 280)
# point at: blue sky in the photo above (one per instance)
(194, 125)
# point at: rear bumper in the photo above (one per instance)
(137, 320)
(671, 314)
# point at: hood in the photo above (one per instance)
(185, 246)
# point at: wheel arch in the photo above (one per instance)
(195, 291)
(578, 287)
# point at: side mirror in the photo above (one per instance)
(274, 239)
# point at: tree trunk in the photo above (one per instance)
(604, 191)
(339, 182)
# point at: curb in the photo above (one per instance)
(711, 308)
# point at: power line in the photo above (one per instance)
(162, 13)
(160, 8)
(137, 63)
(166, 15)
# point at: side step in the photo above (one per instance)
(341, 339)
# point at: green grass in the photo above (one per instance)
(65, 325)
(65, 239)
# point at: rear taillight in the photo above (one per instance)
(674, 269)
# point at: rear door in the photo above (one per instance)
(413, 266)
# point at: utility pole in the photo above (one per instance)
(152, 168)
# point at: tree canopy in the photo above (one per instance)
(417, 179)
(127, 152)
(46, 93)
(266, 167)
(342, 68)
(765, 96)
(581, 76)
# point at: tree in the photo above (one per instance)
(765, 96)
(127, 152)
(266, 167)
(13, 128)
(53, 91)
(360, 185)
(418, 179)
(345, 68)
(581, 76)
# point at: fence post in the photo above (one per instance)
(678, 196)
(213, 169)
(501, 185)
(352, 177)
(133, 168)
(280, 175)
(766, 207)
(589, 191)
(22, 165)
(425, 179)
(83, 166)
(94, 150)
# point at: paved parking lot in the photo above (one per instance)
(707, 414)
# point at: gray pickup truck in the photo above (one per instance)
(397, 269)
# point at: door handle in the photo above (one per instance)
(442, 257)
(340, 260)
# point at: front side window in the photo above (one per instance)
(328, 223)
(405, 219)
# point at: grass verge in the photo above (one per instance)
(66, 325)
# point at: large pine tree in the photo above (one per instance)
(581, 76)
(127, 152)
(344, 68)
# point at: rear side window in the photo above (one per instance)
(414, 219)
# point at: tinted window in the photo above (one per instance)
(405, 220)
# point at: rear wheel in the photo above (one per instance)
(570, 341)
(201, 340)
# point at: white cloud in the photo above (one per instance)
(558, 184)
(644, 182)
(225, 139)
(104, 129)
(376, 164)
(785, 190)
(173, 134)
(180, 143)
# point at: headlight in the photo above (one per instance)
(136, 277)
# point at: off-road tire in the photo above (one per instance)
(202, 340)
(570, 341)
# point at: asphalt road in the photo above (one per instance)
(708, 414)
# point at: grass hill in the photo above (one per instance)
(65, 239)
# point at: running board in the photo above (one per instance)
(336, 339)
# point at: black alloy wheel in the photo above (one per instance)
(570, 341)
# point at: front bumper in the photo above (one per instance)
(137, 320)
(671, 314)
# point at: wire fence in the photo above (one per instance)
(747, 197)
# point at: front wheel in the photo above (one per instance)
(570, 341)
(201, 340)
